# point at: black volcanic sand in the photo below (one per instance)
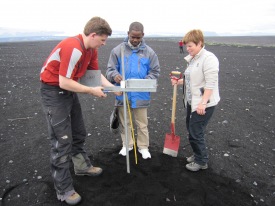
(240, 136)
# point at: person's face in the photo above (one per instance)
(192, 48)
(96, 41)
(135, 37)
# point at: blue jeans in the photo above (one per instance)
(196, 125)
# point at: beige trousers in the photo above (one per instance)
(139, 117)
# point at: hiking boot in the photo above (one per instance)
(191, 159)
(92, 171)
(145, 153)
(194, 167)
(123, 151)
(74, 199)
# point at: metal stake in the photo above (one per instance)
(125, 110)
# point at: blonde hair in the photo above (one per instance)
(195, 36)
(97, 25)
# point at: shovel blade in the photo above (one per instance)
(171, 145)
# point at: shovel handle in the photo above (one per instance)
(174, 108)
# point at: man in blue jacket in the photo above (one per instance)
(140, 62)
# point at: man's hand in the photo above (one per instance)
(97, 91)
(118, 78)
(118, 93)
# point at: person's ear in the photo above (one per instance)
(200, 44)
(92, 35)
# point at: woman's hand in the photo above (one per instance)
(175, 81)
(201, 109)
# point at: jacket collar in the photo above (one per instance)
(140, 47)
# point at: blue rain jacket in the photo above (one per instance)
(141, 63)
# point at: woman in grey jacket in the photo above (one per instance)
(201, 95)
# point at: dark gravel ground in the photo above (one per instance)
(240, 136)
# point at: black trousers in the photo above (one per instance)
(67, 134)
(196, 125)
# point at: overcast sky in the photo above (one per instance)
(157, 16)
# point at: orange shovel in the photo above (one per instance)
(172, 141)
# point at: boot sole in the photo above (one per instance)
(195, 170)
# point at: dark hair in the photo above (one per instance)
(97, 25)
(137, 26)
(195, 36)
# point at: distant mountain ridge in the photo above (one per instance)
(31, 38)
(15, 35)
(11, 34)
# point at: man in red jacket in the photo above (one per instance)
(69, 61)
(181, 46)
